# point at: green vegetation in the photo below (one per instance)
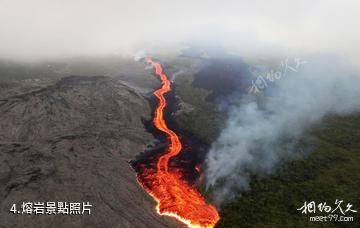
(197, 115)
(330, 172)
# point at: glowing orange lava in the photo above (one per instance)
(175, 197)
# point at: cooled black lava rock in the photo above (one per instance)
(71, 142)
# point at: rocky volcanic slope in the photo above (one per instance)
(72, 142)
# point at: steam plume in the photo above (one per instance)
(257, 137)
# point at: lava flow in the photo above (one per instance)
(175, 197)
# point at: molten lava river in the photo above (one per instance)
(175, 196)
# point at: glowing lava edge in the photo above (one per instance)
(175, 197)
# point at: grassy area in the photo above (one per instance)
(331, 171)
(200, 117)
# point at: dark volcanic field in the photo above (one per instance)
(71, 142)
(223, 77)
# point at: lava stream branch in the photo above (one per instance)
(175, 197)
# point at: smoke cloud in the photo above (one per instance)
(259, 135)
(41, 29)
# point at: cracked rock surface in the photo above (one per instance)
(71, 142)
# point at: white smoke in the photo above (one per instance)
(140, 55)
(42, 29)
(257, 137)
